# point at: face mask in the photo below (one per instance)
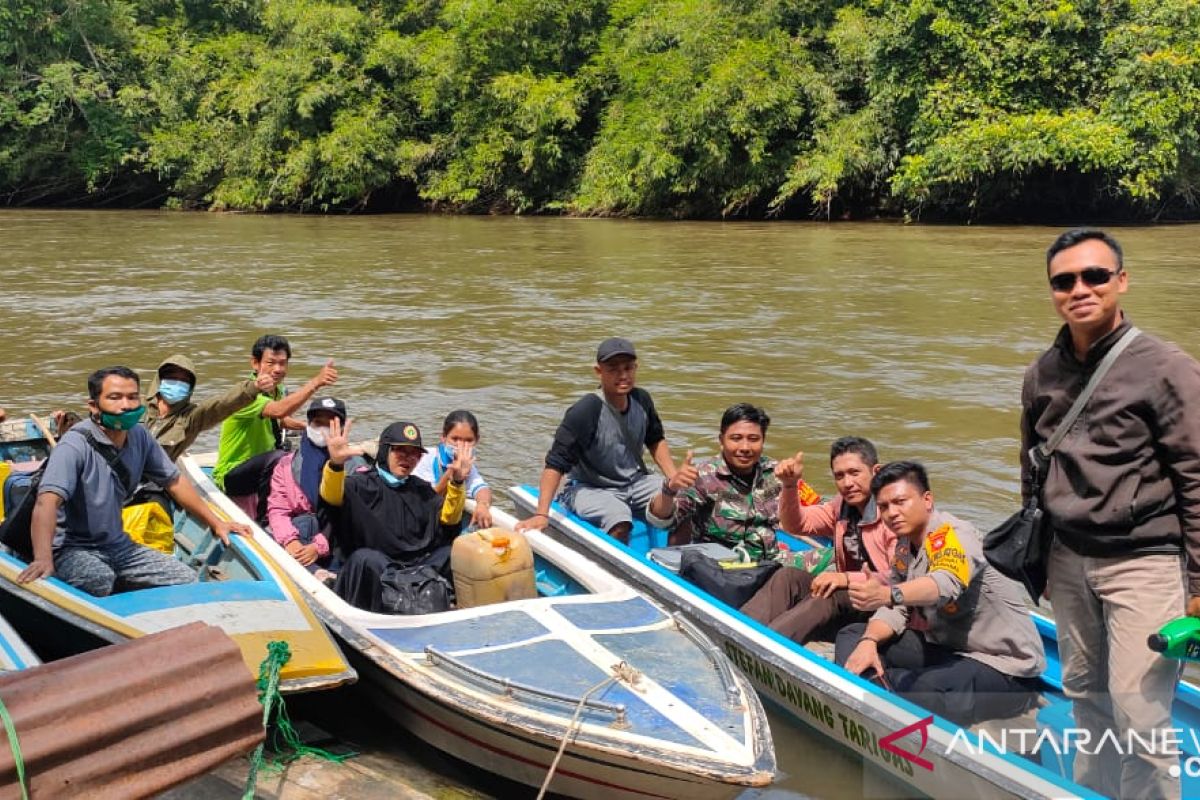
(173, 391)
(446, 453)
(389, 478)
(123, 421)
(316, 434)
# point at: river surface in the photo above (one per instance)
(915, 337)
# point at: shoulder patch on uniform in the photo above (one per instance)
(946, 554)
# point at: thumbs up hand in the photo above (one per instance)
(869, 594)
(685, 476)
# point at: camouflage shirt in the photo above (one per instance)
(724, 508)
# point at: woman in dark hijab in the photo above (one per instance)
(390, 516)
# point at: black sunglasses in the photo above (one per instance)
(1092, 276)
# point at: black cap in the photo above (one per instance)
(400, 434)
(611, 348)
(331, 404)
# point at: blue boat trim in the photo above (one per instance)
(10, 651)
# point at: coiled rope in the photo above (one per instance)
(279, 654)
(621, 672)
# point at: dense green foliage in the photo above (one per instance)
(960, 109)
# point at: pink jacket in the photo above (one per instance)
(825, 519)
(285, 501)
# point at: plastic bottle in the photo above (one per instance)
(491, 566)
(1179, 638)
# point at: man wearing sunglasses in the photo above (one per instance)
(1122, 495)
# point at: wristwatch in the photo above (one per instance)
(666, 488)
(897, 597)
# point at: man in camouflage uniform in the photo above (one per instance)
(732, 499)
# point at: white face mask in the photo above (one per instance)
(316, 434)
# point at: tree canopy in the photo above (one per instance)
(932, 109)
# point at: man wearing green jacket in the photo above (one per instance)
(175, 419)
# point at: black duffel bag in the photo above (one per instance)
(414, 590)
(734, 585)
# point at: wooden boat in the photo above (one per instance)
(498, 685)
(240, 591)
(817, 695)
(14, 653)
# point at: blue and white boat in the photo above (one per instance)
(239, 590)
(14, 653)
(817, 695)
(499, 685)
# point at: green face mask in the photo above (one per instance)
(123, 421)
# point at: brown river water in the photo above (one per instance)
(915, 337)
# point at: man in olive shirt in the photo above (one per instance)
(175, 419)
(1122, 496)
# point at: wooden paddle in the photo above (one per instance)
(45, 429)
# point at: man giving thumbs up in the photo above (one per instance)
(732, 499)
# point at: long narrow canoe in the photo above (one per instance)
(498, 685)
(817, 695)
(239, 590)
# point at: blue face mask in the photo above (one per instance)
(389, 478)
(174, 391)
(446, 453)
(123, 421)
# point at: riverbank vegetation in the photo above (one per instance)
(1030, 110)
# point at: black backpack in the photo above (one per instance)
(16, 531)
(414, 590)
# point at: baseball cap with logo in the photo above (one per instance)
(400, 434)
(611, 348)
(331, 404)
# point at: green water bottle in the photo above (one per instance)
(1179, 638)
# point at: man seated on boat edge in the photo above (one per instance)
(173, 415)
(598, 446)
(804, 606)
(251, 438)
(76, 531)
(390, 517)
(297, 518)
(954, 635)
(460, 428)
(731, 499)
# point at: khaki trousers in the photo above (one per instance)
(1105, 608)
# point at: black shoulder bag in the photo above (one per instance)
(1020, 546)
(16, 531)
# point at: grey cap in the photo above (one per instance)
(611, 348)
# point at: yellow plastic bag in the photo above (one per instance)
(151, 525)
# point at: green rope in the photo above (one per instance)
(278, 654)
(19, 762)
